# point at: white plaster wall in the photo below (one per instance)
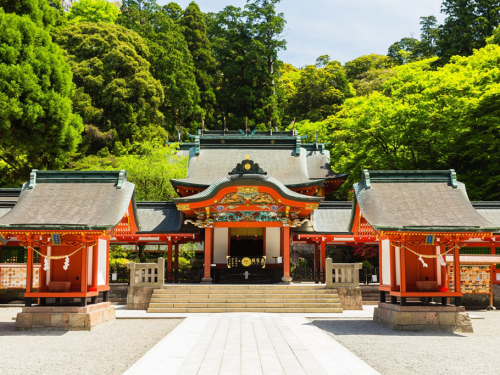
(90, 251)
(398, 265)
(221, 244)
(386, 262)
(272, 244)
(101, 262)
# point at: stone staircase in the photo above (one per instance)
(245, 298)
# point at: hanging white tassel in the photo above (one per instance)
(46, 264)
(441, 260)
(66, 263)
(422, 260)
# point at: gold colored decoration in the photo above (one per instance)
(247, 166)
(232, 198)
(262, 198)
(183, 207)
(272, 141)
(222, 141)
(209, 223)
(247, 157)
(246, 262)
(312, 206)
(247, 191)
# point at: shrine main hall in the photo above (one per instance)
(249, 198)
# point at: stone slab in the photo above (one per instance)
(423, 317)
(67, 318)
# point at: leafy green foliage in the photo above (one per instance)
(170, 59)
(93, 11)
(116, 92)
(246, 44)
(467, 25)
(37, 126)
(316, 93)
(427, 119)
(43, 13)
(149, 164)
(195, 33)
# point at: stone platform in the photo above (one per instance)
(423, 317)
(66, 318)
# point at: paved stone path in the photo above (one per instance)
(249, 343)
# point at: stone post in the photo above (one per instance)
(132, 273)
(161, 272)
(329, 273)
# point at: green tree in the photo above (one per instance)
(93, 11)
(403, 51)
(37, 126)
(246, 43)
(427, 119)
(174, 11)
(171, 61)
(195, 33)
(116, 91)
(354, 69)
(150, 170)
(468, 23)
(429, 35)
(319, 93)
(44, 13)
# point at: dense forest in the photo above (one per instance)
(96, 84)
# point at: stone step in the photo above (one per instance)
(241, 300)
(243, 291)
(244, 309)
(370, 302)
(243, 296)
(239, 286)
(243, 304)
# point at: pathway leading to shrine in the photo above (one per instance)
(249, 343)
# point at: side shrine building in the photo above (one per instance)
(248, 197)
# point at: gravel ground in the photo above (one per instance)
(111, 348)
(396, 352)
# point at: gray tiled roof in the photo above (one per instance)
(489, 210)
(418, 206)
(162, 217)
(330, 217)
(82, 205)
(284, 165)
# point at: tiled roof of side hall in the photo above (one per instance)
(417, 201)
(71, 200)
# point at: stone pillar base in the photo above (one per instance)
(286, 279)
(65, 318)
(423, 317)
(206, 280)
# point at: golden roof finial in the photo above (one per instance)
(248, 157)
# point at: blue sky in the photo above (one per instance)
(343, 29)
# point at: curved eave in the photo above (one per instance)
(55, 227)
(213, 189)
(434, 229)
(189, 185)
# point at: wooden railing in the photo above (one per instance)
(341, 274)
(148, 274)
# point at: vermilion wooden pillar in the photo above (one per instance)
(286, 255)
(29, 268)
(323, 254)
(208, 255)
(316, 256)
(176, 262)
(169, 262)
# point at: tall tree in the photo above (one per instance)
(319, 93)
(467, 25)
(110, 67)
(429, 34)
(246, 43)
(44, 13)
(403, 51)
(195, 33)
(37, 126)
(171, 61)
(93, 11)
